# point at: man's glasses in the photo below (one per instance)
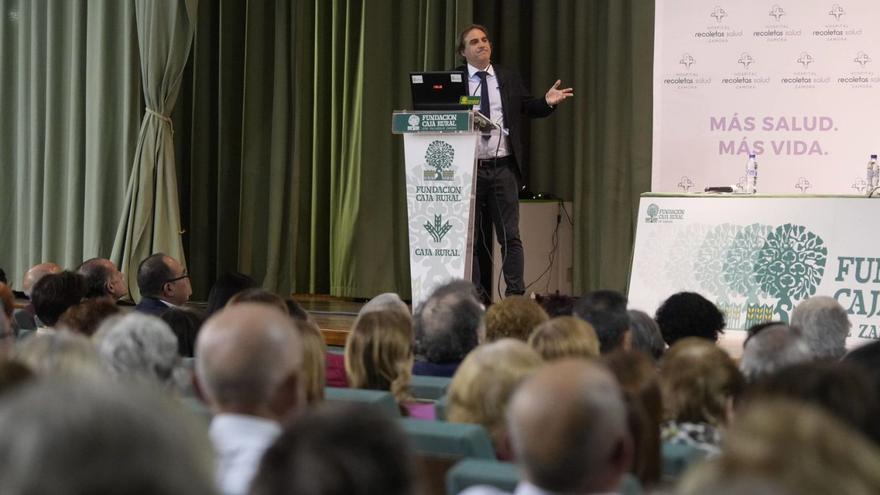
(185, 275)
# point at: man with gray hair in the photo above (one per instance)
(248, 358)
(447, 326)
(138, 346)
(825, 326)
(771, 349)
(569, 431)
(94, 436)
(103, 279)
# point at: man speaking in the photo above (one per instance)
(504, 99)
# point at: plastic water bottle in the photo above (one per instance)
(752, 175)
(871, 175)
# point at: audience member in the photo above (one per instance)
(841, 389)
(185, 323)
(7, 299)
(565, 336)
(824, 324)
(556, 304)
(637, 375)
(699, 382)
(296, 311)
(378, 355)
(447, 326)
(314, 364)
(795, 448)
(7, 336)
(484, 383)
(25, 317)
(388, 301)
(12, 374)
(772, 349)
(103, 279)
(63, 354)
(569, 432)
(515, 317)
(163, 283)
(53, 294)
(645, 334)
(79, 437)
(338, 449)
(86, 317)
(867, 358)
(688, 314)
(606, 311)
(248, 359)
(226, 286)
(138, 347)
(260, 296)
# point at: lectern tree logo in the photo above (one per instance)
(438, 229)
(790, 265)
(439, 156)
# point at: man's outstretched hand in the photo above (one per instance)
(555, 95)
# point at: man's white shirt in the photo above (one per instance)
(489, 148)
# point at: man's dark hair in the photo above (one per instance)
(446, 324)
(295, 310)
(688, 314)
(152, 274)
(460, 50)
(606, 311)
(842, 389)
(556, 304)
(331, 450)
(226, 286)
(54, 293)
(185, 323)
(96, 274)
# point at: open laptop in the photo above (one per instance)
(439, 90)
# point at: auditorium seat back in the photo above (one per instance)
(379, 398)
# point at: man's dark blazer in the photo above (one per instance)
(151, 306)
(516, 102)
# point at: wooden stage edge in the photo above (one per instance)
(334, 315)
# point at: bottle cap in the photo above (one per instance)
(873, 157)
(752, 155)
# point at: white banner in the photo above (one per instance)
(796, 82)
(758, 257)
(440, 195)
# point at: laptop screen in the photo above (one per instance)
(438, 90)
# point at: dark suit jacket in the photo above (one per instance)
(151, 306)
(516, 102)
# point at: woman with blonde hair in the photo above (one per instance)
(699, 382)
(563, 337)
(485, 381)
(314, 360)
(378, 355)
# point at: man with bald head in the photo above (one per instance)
(248, 358)
(23, 319)
(569, 431)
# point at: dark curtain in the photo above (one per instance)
(286, 165)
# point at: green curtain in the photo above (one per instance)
(286, 166)
(595, 150)
(294, 176)
(70, 104)
(150, 220)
